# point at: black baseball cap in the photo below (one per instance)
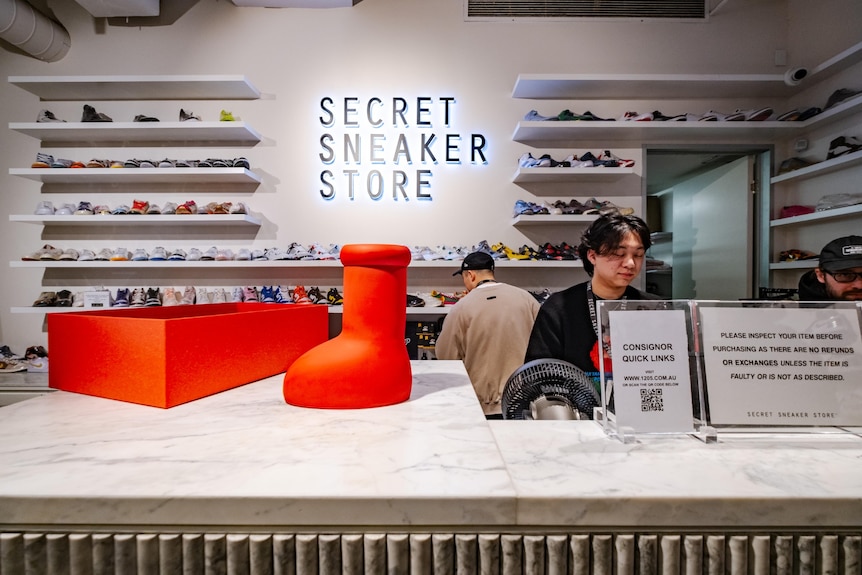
(476, 261)
(841, 254)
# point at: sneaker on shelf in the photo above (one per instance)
(145, 118)
(120, 255)
(46, 299)
(152, 298)
(241, 163)
(69, 255)
(104, 255)
(445, 299)
(121, 210)
(61, 163)
(177, 255)
(44, 208)
(101, 210)
(42, 160)
(267, 294)
(843, 145)
(139, 255)
(167, 163)
(86, 255)
(201, 296)
(188, 116)
(78, 299)
(138, 298)
(608, 156)
(169, 297)
(415, 301)
(210, 254)
(65, 210)
(224, 255)
(430, 301)
(315, 296)
(300, 295)
(12, 366)
(236, 295)
(154, 210)
(91, 115)
(50, 253)
(243, 254)
(187, 208)
(225, 116)
(139, 207)
(249, 293)
(7, 353)
(170, 208)
(238, 208)
(47, 116)
(282, 295)
(159, 254)
(219, 295)
(122, 298)
(258, 255)
(194, 255)
(334, 297)
(297, 252)
(188, 296)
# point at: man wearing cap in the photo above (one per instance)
(838, 275)
(488, 329)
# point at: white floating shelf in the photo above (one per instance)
(137, 175)
(649, 86)
(797, 265)
(332, 309)
(550, 219)
(821, 168)
(94, 134)
(80, 88)
(548, 175)
(821, 215)
(227, 220)
(524, 264)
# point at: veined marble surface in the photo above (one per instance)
(245, 458)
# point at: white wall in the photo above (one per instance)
(383, 48)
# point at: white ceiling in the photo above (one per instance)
(120, 8)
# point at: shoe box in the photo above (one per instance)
(167, 356)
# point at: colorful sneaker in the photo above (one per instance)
(267, 294)
(225, 116)
(120, 255)
(139, 207)
(445, 299)
(187, 208)
(42, 160)
(122, 299)
(300, 295)
(152, 299)
(138, 299)
(249, 293)
(315, 296)
(333, 296)
(282, 295)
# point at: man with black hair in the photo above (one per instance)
(488, 329)
(612, 249)
(838, 275)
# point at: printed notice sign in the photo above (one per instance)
(652, 388)
(779, 366)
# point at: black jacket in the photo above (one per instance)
(563, 329)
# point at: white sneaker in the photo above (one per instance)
(258, 255)
(188, 296)
(224, 255)
(219, 296)
(236, 295)
(69, 255)
(120, 255)
(86, 256)
(177, 255)
(169, 297)
(159, 254)
(210, 254)
(201, 295)
(243, 254)
(194, 255)
(140, 255)
(104, 255)
(44, 209)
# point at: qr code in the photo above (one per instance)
(652, 400)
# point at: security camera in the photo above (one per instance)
(794, 76)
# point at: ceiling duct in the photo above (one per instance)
(32, 32)
(296, 3)
(592, 9)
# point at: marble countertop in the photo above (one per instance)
(245, 457)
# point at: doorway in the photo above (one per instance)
(702, 213)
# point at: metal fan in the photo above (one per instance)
(549, 389)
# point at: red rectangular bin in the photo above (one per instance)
(166, 356)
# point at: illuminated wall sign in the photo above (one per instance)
(400, 142)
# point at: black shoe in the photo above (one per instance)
(91, 115)
(152, 298)
(809, 113)
(843, 145)
(839, 96)
(415, 301)
(142, 118)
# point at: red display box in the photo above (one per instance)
(166, 356)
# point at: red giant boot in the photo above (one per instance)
(367, 364)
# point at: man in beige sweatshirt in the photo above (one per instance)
(488, 329)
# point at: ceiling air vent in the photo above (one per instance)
(587, 9)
